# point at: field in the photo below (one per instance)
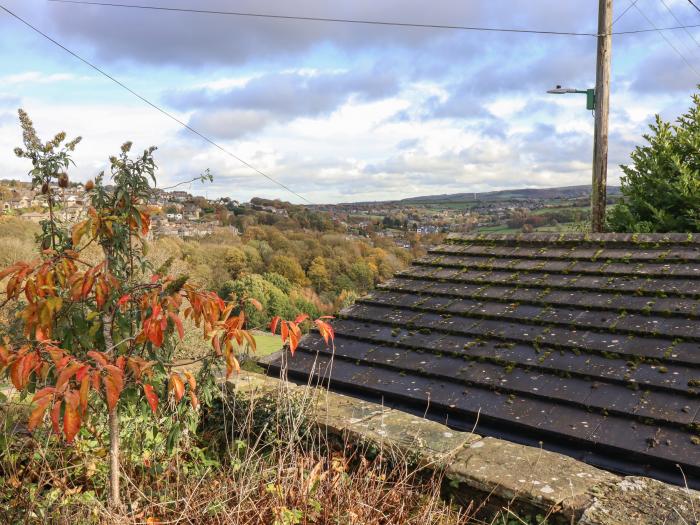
(267, 344)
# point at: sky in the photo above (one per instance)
(343, 112)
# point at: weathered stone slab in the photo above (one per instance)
(419, 440)
(534, 477)
(642, 501)
(254, 386)
(340, 413)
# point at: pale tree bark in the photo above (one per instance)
(115, 502)
(114, 477)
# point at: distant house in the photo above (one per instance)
(35, 217)
(588, 344)
(179, 196)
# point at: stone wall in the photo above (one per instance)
(493, 472)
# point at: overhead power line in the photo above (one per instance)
(322, 19)
(687, 62)
(153, 105)
(630, 6)
(362, 22)
(694, 4)
(677, 20)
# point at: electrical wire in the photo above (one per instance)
(630, 6)
(321, 19)
(677, 20)
(363, 22)
(687, 62)
(153, 105)
(694, 5)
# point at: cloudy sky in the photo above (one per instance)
(343, 112)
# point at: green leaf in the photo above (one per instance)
(173, 438)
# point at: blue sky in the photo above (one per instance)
(343, 112)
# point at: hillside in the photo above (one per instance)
(559, 193)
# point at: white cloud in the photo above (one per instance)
(37, 77)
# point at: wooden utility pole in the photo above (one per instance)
(602, 109)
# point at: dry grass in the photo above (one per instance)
(271, 468)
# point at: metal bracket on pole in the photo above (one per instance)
(590, 99)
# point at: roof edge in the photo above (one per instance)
(642, 239)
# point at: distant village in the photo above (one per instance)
(173, 213)
(178, 213)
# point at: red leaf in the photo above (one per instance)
(123, 300)
(284, 331)
(274, 323)
(151, 397)
(193, 400)
(81, 373)
(88, 281)
(301, 318)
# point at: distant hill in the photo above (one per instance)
(565, 192)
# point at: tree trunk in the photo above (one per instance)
(114, 498)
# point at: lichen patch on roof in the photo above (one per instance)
(587, 343)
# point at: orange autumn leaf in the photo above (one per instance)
(177, 386)
(98, 356)
(190, 379)
(78, 231)
(55, 413)
(71, 416)
(37, 414)
(66, 374)
(84, 392)
(114, 384)
(231, 364)
(325, 329)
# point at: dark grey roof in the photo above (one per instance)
(589, 344)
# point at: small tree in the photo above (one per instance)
(661, 189)
(90, 331)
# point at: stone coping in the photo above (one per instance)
(579, 238)
(493, 471)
